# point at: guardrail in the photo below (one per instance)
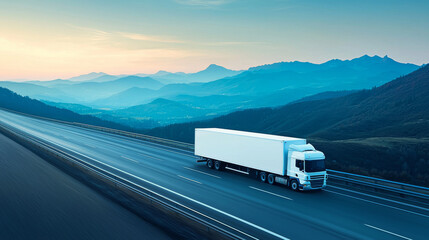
(168, 142)
(402, 190)
(192, 224)
(397, 189)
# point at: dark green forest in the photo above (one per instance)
(15, 102)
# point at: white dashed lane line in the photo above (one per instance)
(391, 233)
(208, 174)
(275, 194)
(192, 180)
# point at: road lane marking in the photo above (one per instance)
(394, 234)
(171, 191)
(381, 204)
(202, 172)
(180, 195)
(386, 199)
(90, 146)
(189, 179)
(129, 159)
(143, 142)
(163, 148)
(275, 194)
(149, 156)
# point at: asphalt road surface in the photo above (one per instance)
(38, 201)
(261, 210)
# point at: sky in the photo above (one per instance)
(50, 39)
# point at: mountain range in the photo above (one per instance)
(211, 73)
(395, 109)
(263, 86)
(79, 92)
(360, 73)
(383, 131)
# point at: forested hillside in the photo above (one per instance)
(383, 131)
(15, 102)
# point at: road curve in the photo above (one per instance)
(261, 210)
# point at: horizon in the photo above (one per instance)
(162, 70)
(101, 100)
(50, 40)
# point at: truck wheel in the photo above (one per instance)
(209, 163)
(218, 165)
(271, 178)
(294, 185)
(263, 176)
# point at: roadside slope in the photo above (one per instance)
(38, 201)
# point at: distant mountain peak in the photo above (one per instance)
(372, 59)
(214, 67)
(88, 76)
(366, 56)
(161, 72)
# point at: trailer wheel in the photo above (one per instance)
(271, 178)
(218, 165)
(263, 176)
(294, 185)
(209, 163)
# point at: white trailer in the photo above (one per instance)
(270, 158)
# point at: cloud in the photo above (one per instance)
(203, 3)
(230, 43)
(143, 37)
(85, 50)
(98, 35)
(95, 34)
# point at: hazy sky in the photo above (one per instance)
(47, 39)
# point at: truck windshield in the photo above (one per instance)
(315, 165)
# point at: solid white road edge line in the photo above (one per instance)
(118, 137)
(189, 179)
(394, 234)
(185, 197)
(386, 199)
(202, 172)
(381, 204)
(275, 194)
(153, 192)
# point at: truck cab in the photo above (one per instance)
(306, 166)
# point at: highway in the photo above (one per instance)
(260, 210)
(39, 201)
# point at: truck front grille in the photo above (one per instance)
(316, 183)
(317, 177)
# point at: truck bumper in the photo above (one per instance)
(309, 188)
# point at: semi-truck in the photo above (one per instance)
(270, 158)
